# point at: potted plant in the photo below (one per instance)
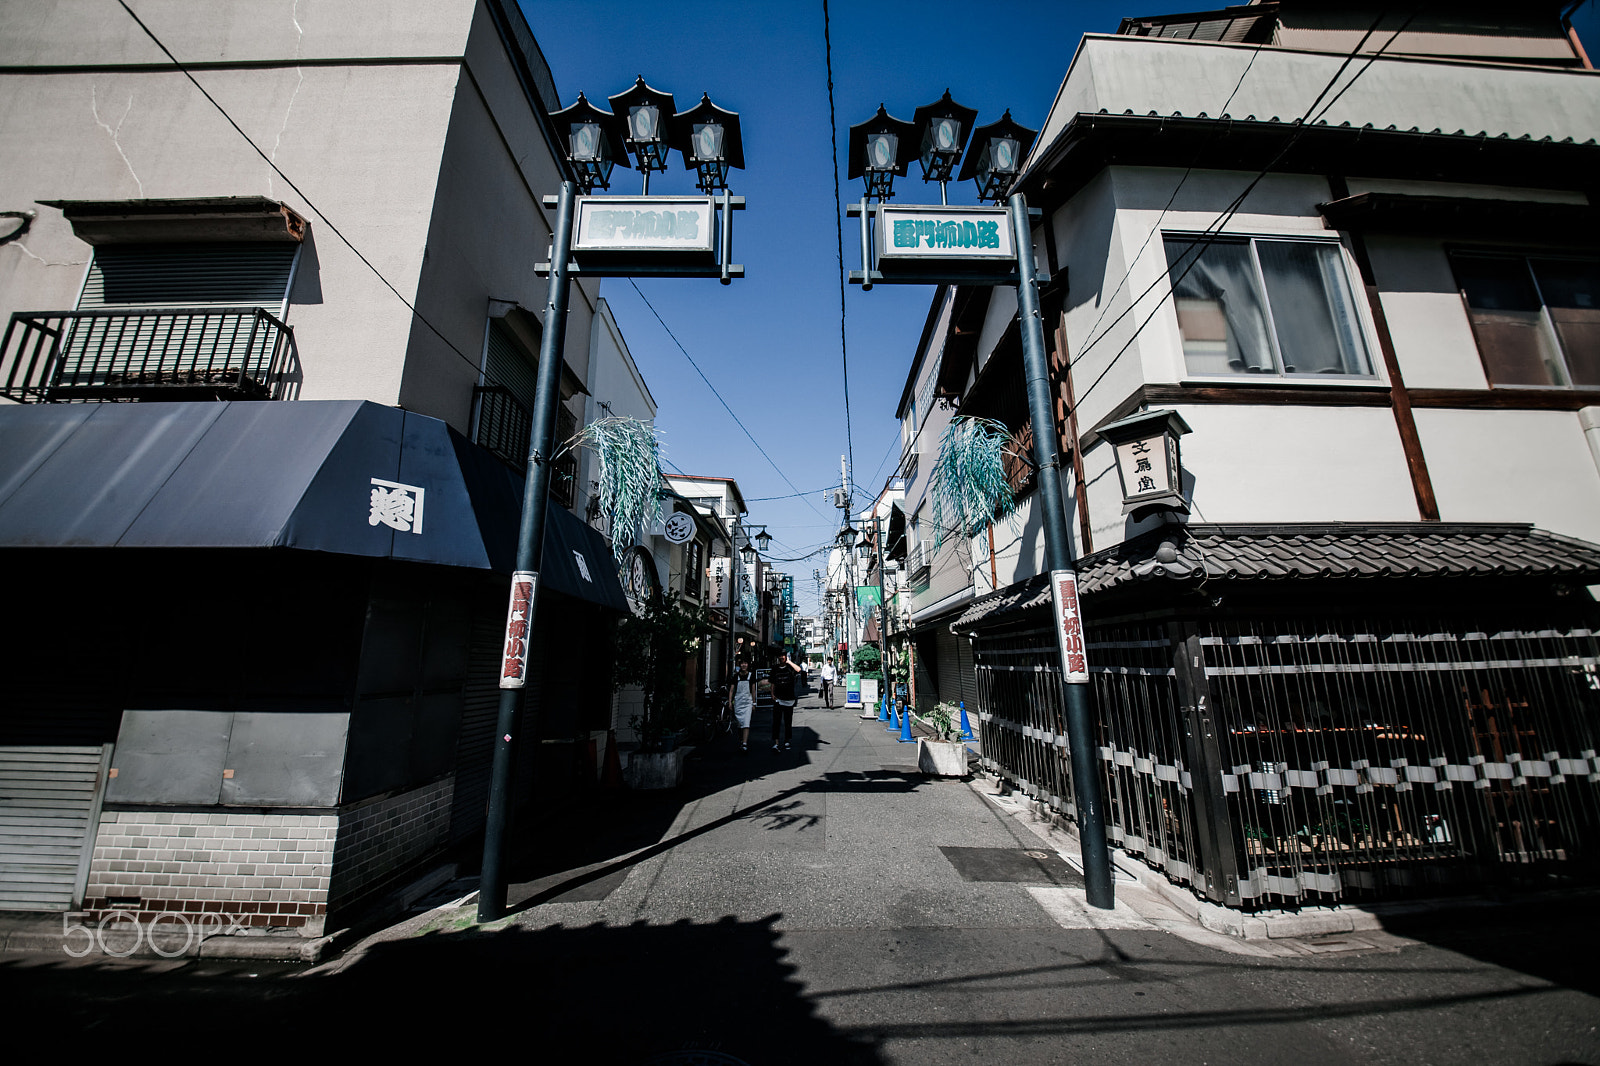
(944, 755)
(650, 651)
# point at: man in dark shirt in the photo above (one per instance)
(784, 673)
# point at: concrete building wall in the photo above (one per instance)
(1165, 75)
(399, 157)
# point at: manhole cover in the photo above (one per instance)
(1034, 866)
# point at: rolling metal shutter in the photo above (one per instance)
(190, 275)
(233, 278)
(49, 810)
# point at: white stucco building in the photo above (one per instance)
(1360, 261)
(284, 257)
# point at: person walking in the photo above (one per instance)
(828, 674)
(742, 701)
(784, 672)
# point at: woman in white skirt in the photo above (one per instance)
(742, 699)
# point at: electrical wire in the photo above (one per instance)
(1209, 235)
(838, 223)
(474, 363)
(746, 429)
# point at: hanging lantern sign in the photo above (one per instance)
(1148, 462)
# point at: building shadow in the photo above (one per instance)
(625, 994)
(1554, 939)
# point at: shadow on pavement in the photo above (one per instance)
(609, 994)
(1555, 939)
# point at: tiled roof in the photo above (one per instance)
(1189, 554)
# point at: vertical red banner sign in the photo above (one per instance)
(1069, 626)
(519, 630)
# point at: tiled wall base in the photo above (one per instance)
(262, 870)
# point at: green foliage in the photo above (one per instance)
(868, 662)
(630, 475)
(650, 650)
(969, 483)
(946, 721)
(899, 664)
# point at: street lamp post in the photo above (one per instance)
(641, 120)
(966, 246)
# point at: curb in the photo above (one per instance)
(1263, 926)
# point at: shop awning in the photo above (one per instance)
(342, 476)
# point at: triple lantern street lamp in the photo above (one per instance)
(642, 236)
(645, 122)
(984, 245)
(884, 146)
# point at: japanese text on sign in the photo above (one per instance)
(675, 225)
(1069, 626)
(931, 233)
(519, 623)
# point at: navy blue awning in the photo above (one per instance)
(344, 476)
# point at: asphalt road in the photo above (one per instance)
(807, 907)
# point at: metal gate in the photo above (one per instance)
(49, 810)
(1279, 762)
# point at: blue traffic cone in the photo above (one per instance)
(905, 726)
(894, 724)
(966, 726)
(883, 710)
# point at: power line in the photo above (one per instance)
(299, 192)
(1212, 231)
(679, 345)
(838, 226)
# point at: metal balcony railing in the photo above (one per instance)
(170, 353)
(505, 428)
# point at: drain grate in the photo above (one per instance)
(1030, 866)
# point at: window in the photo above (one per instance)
(1263, 306)
(693, 563)
(1536, 319)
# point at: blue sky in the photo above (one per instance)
(771, 342)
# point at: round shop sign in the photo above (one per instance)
(680, 527)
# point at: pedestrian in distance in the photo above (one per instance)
(784, 673)
(828, 674)
(742, 701)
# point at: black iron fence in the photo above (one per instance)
(236, 352)
(505, 428)
(1280, 763)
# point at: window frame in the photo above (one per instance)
(1523, 254)
(1364, 333)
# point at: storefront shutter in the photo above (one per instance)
(49, 809)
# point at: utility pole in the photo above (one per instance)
(522, 612)
(1063, 579)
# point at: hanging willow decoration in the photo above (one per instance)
(630, 475)
(969, 483)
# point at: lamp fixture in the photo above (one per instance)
(709, 139)
(880, 148)
(998, 150)
(648, 117)
(594, 143)
(941, 135)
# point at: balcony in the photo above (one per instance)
(505, 428)
(233, 353)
